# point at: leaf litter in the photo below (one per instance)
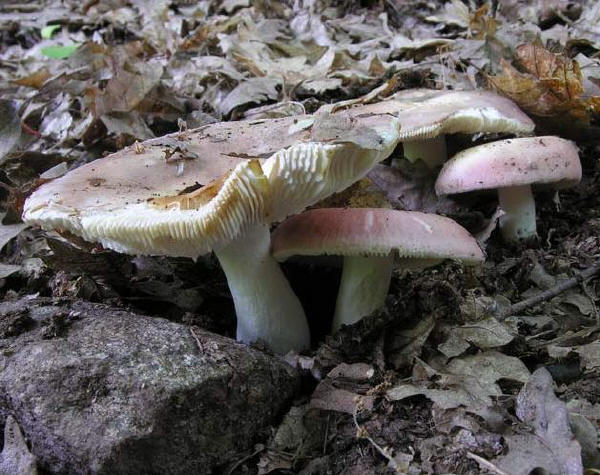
(449, 377)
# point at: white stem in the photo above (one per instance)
(431, 151)
(519, 221)
(363, 288)
(266, 306)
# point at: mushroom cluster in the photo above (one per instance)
(221, 187)
(223, 199)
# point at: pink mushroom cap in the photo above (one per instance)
(374, 232)
(513, 162)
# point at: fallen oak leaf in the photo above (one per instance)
(551, 446)
(546, 84)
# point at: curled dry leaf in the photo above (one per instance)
(546, 84)
(128, 87)
(7, 232)
(337, 391)
(252, 91)
(407, 343)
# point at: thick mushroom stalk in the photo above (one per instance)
(512, 167)
(266, 307)
(518, 222)
(369, 239)
(363, 287)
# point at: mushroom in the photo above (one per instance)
(426, 115)
(371, 240)
(125, 212)
(512, 167)
(140, 201)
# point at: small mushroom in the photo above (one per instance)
(512, 167)
(371, 240)
(426, 115)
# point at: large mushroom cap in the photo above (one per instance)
(425, 114)
(374, 232)
(129, 213)
(189, 193)
(505, 163)
(167, 166)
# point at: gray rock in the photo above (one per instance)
(103, 391)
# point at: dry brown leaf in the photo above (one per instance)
(35, 80)
(128, 87)
(253, 90)
(546, 84)
(10, 127)
(484, 334)
(481, 23)
(335, 392)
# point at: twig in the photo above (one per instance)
(551, 292)
(197, 338)
(326, 435)
(362, 433)
(259, 448)
(29, 130)
(483, 463)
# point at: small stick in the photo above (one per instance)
(483, 463)
(30, 131)
(362, 433)
(551, 292)
(193, 330)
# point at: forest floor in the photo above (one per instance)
(442, 380)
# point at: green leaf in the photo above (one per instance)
(60, 52)
(49, 30)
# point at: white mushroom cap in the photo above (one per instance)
(127, 214)
(514, 162)
(187, 194)
(139, 201)
(425, 114)
(120, 192)
(374, 232)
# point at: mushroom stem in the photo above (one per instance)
(363, 288)
(266, 306)
(519, 221)
(431, 151)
